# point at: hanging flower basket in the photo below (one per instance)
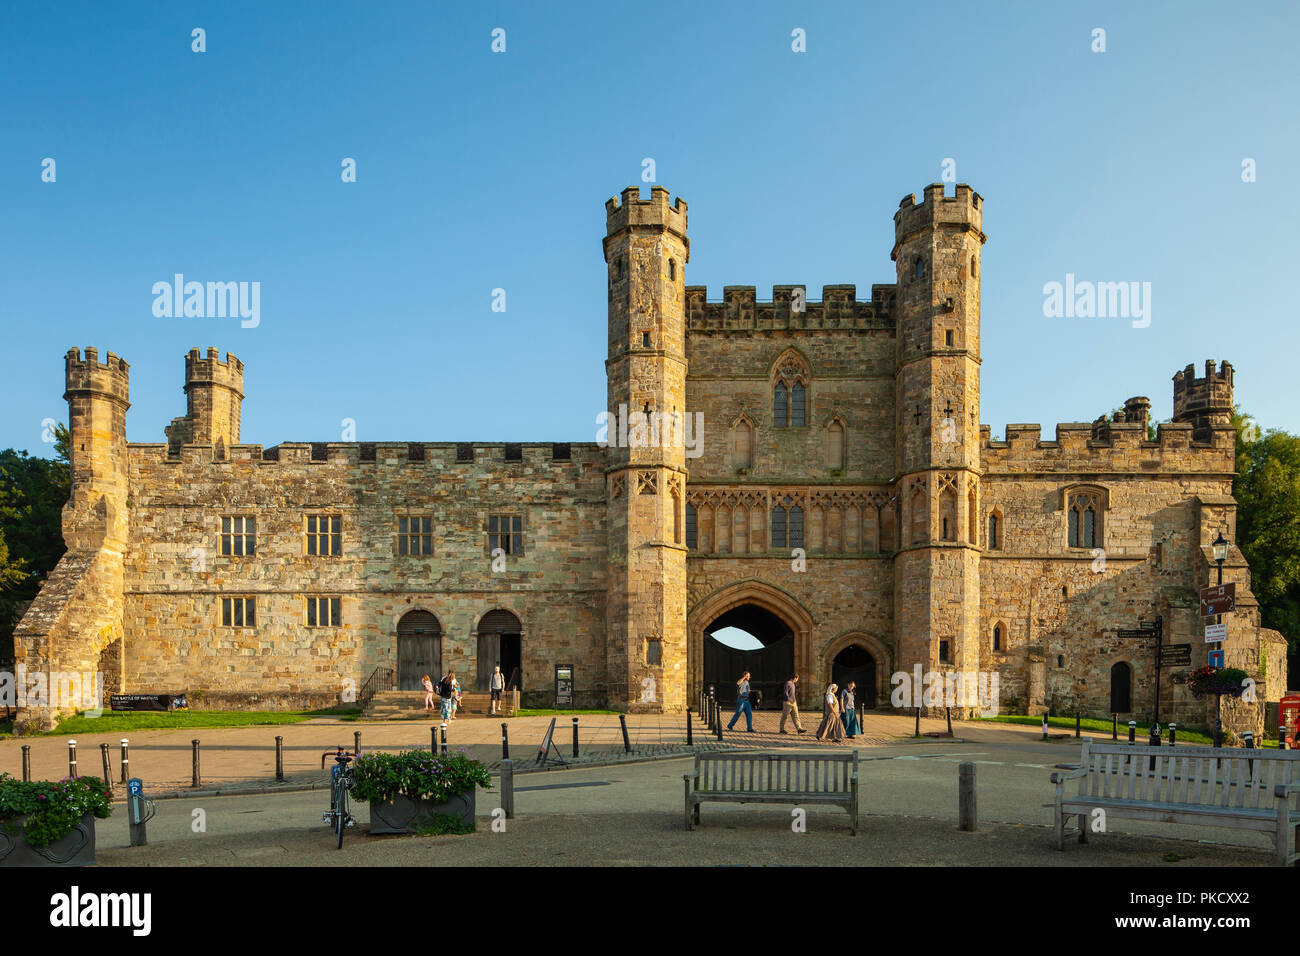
(1219, 681)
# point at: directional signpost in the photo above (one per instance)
(1176, 655)
(1154, 629)
(1219, 599)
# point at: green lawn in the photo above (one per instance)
(1143, 730)
(122, 721)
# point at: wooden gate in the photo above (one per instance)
(419, 649)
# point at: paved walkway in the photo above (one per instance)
(245, 756)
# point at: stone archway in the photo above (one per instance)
(882, 664)
(760, 594)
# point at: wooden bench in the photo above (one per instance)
(750, 777)
(1221, 787)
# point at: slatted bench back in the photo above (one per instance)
(775, 773)
(1196, 776)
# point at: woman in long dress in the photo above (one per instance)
(851, 725)
(831, 728)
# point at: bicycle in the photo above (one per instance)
(338, 816)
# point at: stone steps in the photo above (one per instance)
(409, 705)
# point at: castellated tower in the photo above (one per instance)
(646, 250)
(1204, 403)
(98, 397)
(214, 393)
(937, 571)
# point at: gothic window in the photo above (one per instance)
(790, 391)
(1085, 510)
(948, 513)
(997, 637)
(920, 516)
(918, 268)
(692, 526)
(995, 531)
(672, 270)
(947, 338)
(645, 340)
(787, 526)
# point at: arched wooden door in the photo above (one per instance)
(1121, 689)
(500, 644)
(419, 649)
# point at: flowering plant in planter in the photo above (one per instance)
(421, 776)
(51, 808)
(1217, 681)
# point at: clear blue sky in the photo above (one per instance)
(479, 170)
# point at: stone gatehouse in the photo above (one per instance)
(817, 475)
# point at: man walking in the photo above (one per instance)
(742, 704)
(790, 705)
(498, 682)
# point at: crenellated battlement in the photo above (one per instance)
(740, 309)
(965, 208)
(629, 209)
(439, 456)
(211, 370)
(111, 378)
(1205, 402)
(1117, 446)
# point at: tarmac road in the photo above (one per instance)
(632, 815)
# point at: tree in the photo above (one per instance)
(32, 494)
(1267, 490)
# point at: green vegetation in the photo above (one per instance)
(416, 774)
(442, 824)
(51, 808)
(111, 722)
(1104, 726)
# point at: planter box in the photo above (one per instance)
(75, 849)
(401, 814)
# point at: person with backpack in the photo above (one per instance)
(496, 685)
(447, 691)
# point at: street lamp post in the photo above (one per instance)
(1220, 546)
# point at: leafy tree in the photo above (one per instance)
(32, 494)
(1267, 490)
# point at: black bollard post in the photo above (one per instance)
(1173, 734)
(356, 743)
(1077, 723)
(505, 741)
(718, 726)
(1154, 742)
(575, 736)
(433, 739)
(966, 808)
(72, 759)
(627, 746)
(1114, 727)
(443, 727)
(508, 787)
(27, 763)
(947, 712)
(197, 778)
(1132, 731)
(1250, 740)
(917, 732)
(689, 742)
(108, 768)
(279, 759)
(126, 760)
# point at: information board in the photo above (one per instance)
(1219, 599)
(563, 685)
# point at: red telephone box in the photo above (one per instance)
(1288, 711)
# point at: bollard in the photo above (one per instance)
(195, 745)
(1173, 733)
(108, 769)
(139, 811)
(1044, 726)
(508, 787)
(1076, 723)
(966, 812)
(27, 763)
(356, 743)
(1250, 740)
(126, 760)
(1281, 736)
(443, 727)
(717, 727)
(627, 746)
(505, 741)
(1132, 731)
(72, 759)
(1114, 727)
(1154, 742)
(689, 742)
(433, 739)
(575, 736)
(947, 712)
(917, 732)
(279, 759)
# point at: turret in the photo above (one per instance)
(214, 393)
(646, 251)
(1204, 403)
(98, 397)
